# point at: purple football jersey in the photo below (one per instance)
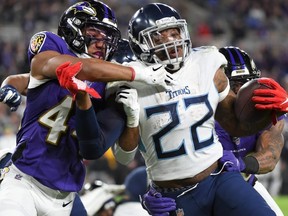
(47, 146)
(239, 146)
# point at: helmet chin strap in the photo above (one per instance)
(147, 57)
(173, 68)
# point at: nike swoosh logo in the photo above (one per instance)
(155, 69)
(65, 204)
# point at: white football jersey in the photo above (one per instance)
(177, 125)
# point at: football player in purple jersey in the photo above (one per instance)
(47, 169)
(256, 154)
(10, 96)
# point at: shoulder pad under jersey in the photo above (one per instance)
(205, 48)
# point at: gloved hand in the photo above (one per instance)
(152, 75)
(231, 163)
(10, 96)
(66, 73)
(129, 98)
(155, 204)
(275, 98)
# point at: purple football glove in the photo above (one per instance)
(231, 162)
(10, 96)
(155, 204)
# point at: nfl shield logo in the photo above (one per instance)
(180, 212)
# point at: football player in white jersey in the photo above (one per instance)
(179, 143)
(252, 154)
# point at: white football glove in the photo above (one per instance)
(129, 98)
(153, 75)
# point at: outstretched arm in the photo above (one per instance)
(44, 65)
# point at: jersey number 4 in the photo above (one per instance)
(56, 120)
(172, 110)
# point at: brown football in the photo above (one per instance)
(244, 106)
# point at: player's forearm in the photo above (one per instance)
(99, 70)
(269, 147)
(267, 161)
(97, 133)
(44, 65)
(268, 158)
(19, 82)
(89, 134)
(126, 147)
(129, 139)
(83, 101)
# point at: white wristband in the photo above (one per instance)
(123, 157)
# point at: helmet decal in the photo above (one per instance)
(82, 7)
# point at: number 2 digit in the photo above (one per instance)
(172, 110)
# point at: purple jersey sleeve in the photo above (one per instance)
(47, 41)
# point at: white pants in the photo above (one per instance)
(267, 197)
(22, 195)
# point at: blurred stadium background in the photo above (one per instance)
(259, 27)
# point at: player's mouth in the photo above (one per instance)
(174, 53)
(98, 55)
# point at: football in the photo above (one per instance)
(244, 106)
